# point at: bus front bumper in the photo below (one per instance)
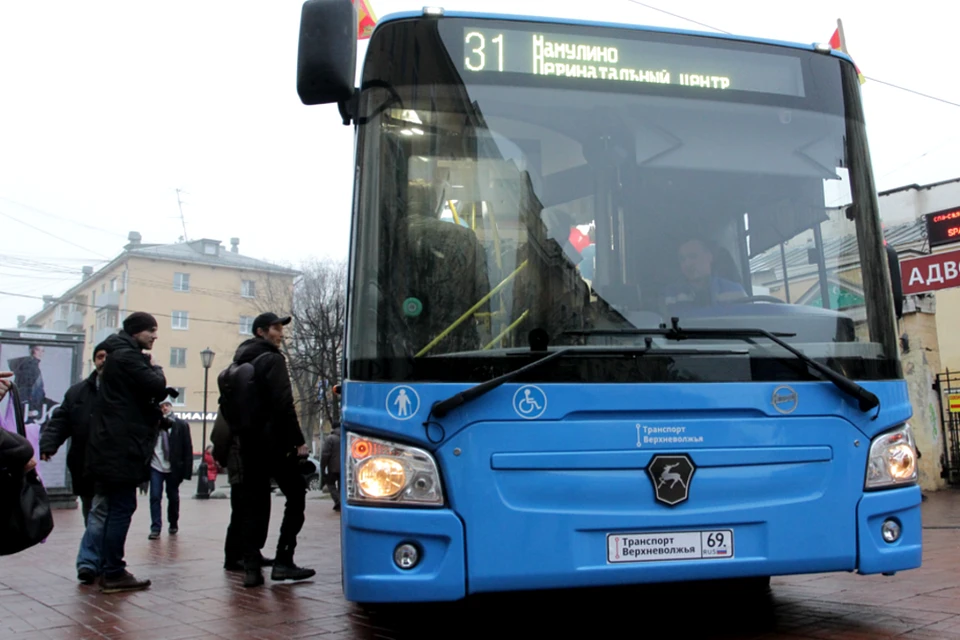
(901, 507)
(371, 573)
(372, 536)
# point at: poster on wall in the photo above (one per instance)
(42, 373)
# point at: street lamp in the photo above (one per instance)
(203, 486)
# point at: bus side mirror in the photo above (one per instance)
(327, 54)
(893, 262)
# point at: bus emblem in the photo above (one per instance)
(671, 476)
(785, 399)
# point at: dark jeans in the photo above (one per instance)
(86, 501)
(121, 503)
(90, 556)
(294, 487)
(157, 481)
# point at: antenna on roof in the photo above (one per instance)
(182, 221)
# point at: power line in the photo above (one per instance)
(643, 4)
(70, 220)
(56, 237)
(925, 95)
(93, 306)
(703, 24)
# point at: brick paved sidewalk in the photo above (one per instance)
(192, 597)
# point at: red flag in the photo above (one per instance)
(366, 19)
(839, 42)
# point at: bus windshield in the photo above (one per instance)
(581, 184)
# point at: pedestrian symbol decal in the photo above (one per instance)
(530, 402)
(403, 403)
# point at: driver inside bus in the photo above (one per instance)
(703, 288)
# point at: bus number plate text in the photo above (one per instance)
(671, 545)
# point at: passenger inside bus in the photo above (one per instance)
(703, 285)
(449, 275)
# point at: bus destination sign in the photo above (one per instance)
(709, 68)
(943, 227)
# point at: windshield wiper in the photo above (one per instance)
(865, 399)
(443, 407)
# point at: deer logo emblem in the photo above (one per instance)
(671, 476)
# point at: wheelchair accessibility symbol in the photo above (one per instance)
(530, 402)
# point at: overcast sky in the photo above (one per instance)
(106, 108)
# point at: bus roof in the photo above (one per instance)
(402, 15)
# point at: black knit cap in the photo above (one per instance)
(139, 321)
(100, 347)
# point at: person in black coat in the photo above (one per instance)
(123, 433)
(72, 420)
(172, 463)
(330, 464)
(273, 450)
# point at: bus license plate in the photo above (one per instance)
(670, 545)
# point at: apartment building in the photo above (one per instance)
(203, 295)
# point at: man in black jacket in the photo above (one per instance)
(273, 450)
(172, 463)
(72, 420)
(123, 432)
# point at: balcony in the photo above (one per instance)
(75, 321)
(103, 334)
(108, 300)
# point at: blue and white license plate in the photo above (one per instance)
(669, 545)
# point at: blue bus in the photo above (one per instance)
(619, 310)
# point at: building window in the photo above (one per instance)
(246, 325)
(210, 248)
(180, 400)
(248, 289)
(178, 357)
(113, 284)
(181, 282)
(179, 320)
(107, 319)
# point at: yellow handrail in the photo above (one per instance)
(453, 209)
(456, 323)
(511, 327)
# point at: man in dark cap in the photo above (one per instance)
(274, 449)
(123, 432)
(71, 419)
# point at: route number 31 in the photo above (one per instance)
(477, 60)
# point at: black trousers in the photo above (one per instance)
(252, 505)
(294, 487)
(233, 546)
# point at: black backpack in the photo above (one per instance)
(240, 400)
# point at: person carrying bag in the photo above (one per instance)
(25, 516)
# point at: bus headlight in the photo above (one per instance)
(383, 472)
(893, 459)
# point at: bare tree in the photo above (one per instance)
(314, 343)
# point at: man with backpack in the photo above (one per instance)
(257, 402)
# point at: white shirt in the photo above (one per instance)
(160, 462)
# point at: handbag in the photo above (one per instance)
(25, 516)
